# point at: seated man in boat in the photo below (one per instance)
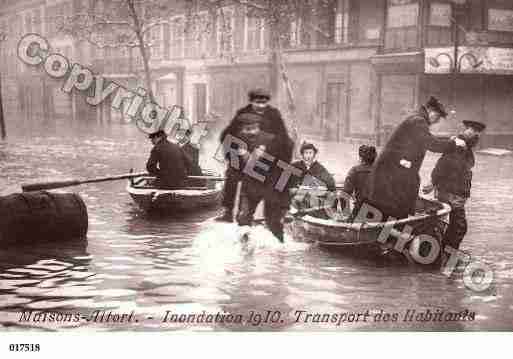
(257, 182)
(191, 152)
(356, 179)
(313, 176)
(451, 179)
(167, 162)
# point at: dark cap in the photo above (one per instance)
(248, 118)
(259, 93)
(367, 153)
(157, 134)
(478, 126)
(307, 146)
(436, 105)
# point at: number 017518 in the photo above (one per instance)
(24, 347)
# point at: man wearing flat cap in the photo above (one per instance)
(452, 179)
(167, 162)
(271, 123)
(257, 181)
(394, 180)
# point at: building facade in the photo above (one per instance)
(356, 67)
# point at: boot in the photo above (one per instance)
(227, 216)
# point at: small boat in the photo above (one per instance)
(152, 199)
(316, 225)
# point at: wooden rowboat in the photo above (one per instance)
(152, 199)
(317, 226)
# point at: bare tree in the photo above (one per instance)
(278, 16)
(117, 24)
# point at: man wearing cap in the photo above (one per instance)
(394, 181)
(452, 178)
(258, 179)
(271, 122)
(167, 162)
(313, 175)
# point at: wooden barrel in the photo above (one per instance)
(42, 217)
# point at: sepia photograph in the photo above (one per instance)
(255, 166)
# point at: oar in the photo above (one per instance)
(212, 178)
(60, 184)
(75, 182)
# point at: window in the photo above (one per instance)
(155, 42)
(28, 22)
(225, 25)
(177, 37)
(404, 15)
(342, 22)
(37, 28)
(197, 33)
(295, 32)
(254, 34)
(440, 14)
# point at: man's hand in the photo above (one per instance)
(242, 151)
(459, 142)
(428, 188)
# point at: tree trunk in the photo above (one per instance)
(2, 122)
(142, 49)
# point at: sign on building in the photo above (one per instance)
(491, 60)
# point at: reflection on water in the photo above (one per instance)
(191, 264)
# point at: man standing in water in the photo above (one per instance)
(394, 181)
(257, 182)
(271, 123)
(452, 178)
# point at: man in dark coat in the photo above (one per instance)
(452, 178)
(191, 152)
(356, 179)
(167, 162)
(312, 172)
(259, 183)
(394, 180)
(313, 175)
(271, 123)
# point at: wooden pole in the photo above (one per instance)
(3, 132)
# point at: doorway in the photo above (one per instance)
(336, 124)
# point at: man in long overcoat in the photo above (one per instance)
(271, 123)
(394, 181)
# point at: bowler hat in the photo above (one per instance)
(259, 93)
(436, 105)
(157, 134)
(248, 118)
(478, 126)
(307, 146)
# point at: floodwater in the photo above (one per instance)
(148, 268)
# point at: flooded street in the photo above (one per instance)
(190, 264)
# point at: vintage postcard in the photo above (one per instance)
(255, 166)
